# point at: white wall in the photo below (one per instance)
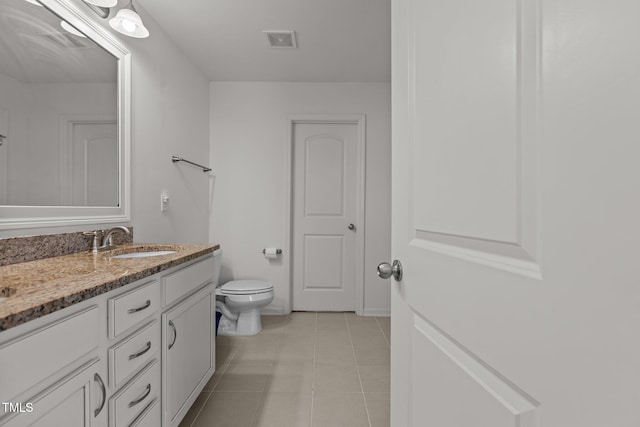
(50, 102)
(170, 116)
(249, 139)
(14, 100)
(170, 104)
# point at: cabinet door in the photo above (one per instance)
(75, 401)
(188, 358)
(150, 417)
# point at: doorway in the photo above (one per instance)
(95, 164)
(89, 161)
(327, 213)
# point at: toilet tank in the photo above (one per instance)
(217, 262)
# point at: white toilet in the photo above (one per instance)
(239, 302)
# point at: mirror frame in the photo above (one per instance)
(19, 217)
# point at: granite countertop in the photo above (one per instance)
(36, 288)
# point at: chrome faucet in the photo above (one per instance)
(107, 242)
(94, 240)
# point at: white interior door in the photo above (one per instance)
(95, 164)
(324, 216)
(519, 302)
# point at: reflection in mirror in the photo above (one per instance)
(58, 112)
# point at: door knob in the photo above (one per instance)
(385, 270)
(351, 227)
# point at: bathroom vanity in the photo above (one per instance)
(93, 340)
(89, 339)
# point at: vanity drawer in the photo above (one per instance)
(130, 402)
(187, 280)
(151, 417)
(133, 353)
(128, 309)
(30, 358)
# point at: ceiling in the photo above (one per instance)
(35, 49)
(338, 40)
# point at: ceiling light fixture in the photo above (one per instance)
(71, 29)
(102, 3)
(128, 22)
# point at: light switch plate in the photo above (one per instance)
(164, 200)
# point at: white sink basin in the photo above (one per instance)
(144, 254)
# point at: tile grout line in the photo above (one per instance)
(256, 419)
(263, 393)
(366, 407)
(382, 332)
(313, 368)
(263, 396)
(223, 369)
(201, 408)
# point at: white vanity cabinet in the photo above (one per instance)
(129, 357)
(188, 353)
(52, 370)
(68, 402)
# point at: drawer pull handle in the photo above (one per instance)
(141, 398)
(175, 334)
(103, 389)
(142, 307)
(141, 352)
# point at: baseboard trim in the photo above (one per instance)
(273, 311)
(377, 312)
(371, 312)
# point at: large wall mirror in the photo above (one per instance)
(64, 117)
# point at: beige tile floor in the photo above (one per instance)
(303, 370)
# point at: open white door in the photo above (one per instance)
(515, 213)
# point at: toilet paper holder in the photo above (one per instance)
(278, 251)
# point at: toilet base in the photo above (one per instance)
(247, 324)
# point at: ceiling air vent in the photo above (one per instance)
(281, 39)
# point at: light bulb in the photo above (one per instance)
(128, 25)
(128, 22)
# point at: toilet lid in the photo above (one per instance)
(238, 287)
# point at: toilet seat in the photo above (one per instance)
(245, 287)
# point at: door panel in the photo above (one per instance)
(324, 176)
(102, 182)
(459, 390)
(94, 175)
(324, 204)
(320, 252)
(473, 124)
(465, 154)
(518, 305)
